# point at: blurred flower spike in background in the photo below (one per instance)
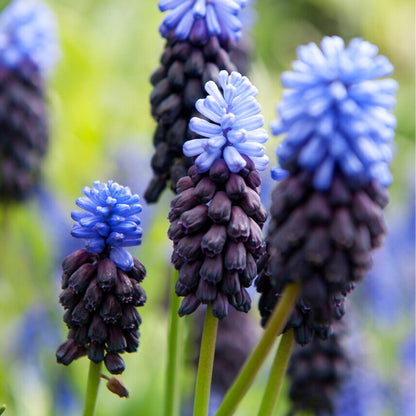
(110, 221)
(202, 19)
(28, 32)
(336, 115)
(233, 128)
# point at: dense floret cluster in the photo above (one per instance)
(216, 223)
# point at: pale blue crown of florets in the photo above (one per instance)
(233, 128)
(202, 18)
(28, 32)
(336, 115)
(110, 221)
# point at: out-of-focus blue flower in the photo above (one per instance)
(28, 32)
(406, 405)
(65, 400)
(234, 126)
(336, 114)
(248, 15)
(363, 394)
(202, 18)
(110, 221)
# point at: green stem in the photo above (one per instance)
(92, 388)
(277, 374)
(252, 365)
(172, 402)
(2, 409)
(206, 363)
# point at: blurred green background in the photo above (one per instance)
(102, 129)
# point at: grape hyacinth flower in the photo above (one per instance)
(317, 372)
(101, 283)
(327, 212)
(28, 52)
(217, 217)
(199, 37)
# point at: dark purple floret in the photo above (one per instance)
(100, 301)
(217, 243)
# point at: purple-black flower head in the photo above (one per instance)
(28, 32)
(110, 222)
(337, 114)
(233, 128)
(202, 19)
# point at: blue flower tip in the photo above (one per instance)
(28, 32)
(337, 111)
(233, 128)
(202, 18)
(109, 219)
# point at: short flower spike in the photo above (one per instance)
(233, 129)
(110, 221)
(202, 18)
(28, 32)
(336, 114)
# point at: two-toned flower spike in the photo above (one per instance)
(101, 283)
(199, 36)
(217, 217)
(326, 214)
(28, 52)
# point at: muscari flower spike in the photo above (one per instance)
(202, 18)
(28, 32)
(337, 113)
(199, 44)
(327, 212)
(217, 216)
(110, 221)
(28, 52)
(233, 128)
(101, 284)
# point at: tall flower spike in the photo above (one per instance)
(217, 217)
(337, 114)
(101, 284)
(327, 214)
(233, 128)
(28, 52)
(200, 36)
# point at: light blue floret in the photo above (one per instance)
(202, 18)
(28, 32)
(234, 126)
(110, 221)
(336, 115)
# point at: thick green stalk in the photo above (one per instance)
(274, 326)
(172, 399)
(206, 363)
(92, 388)
(277, 374)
